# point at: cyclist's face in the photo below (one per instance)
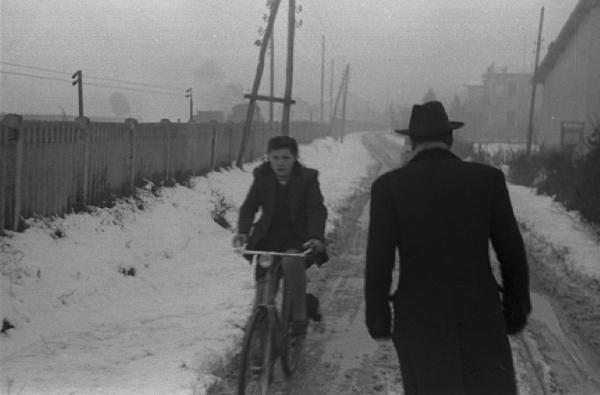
(282, 160)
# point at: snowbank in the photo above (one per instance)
(144, 297)
(563, 230)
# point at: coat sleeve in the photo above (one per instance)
(381, 248)
(510, 251)
(315, 209)
(249, 208)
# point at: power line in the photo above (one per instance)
(173, 93)
(33, 76)
(87, 83)
(35, 68)
(131, 89)
(89, 76)
(132, 83)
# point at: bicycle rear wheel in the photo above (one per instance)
(256, 365)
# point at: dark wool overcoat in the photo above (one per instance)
(307, 211)
(440, 213)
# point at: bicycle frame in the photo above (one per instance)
(276, 337)
(272, 278)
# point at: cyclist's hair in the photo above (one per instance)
(281, 142)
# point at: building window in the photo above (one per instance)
(571, 134)
(510, 119)
(512, 88)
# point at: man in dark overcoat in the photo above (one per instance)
(450, 321)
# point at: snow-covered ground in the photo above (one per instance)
(146, 297)
(564, 230)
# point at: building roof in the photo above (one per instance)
(557, 47)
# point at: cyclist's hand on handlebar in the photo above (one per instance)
(240, 240)
(315, 245)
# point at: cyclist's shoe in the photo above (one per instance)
(299, 328)
(312, 307)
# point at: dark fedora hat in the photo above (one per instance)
(429, 119)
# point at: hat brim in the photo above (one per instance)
(452, 125)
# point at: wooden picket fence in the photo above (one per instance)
(51, 168)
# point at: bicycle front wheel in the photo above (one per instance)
(256, 365)
(291, 345)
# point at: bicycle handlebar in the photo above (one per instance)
(302, 254)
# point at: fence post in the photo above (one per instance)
(14, 123)
(3, 176)
(165, 127)
(132, 125)
(84, 126)
(213, 144)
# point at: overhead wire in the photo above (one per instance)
(33, 76)
(167, 92)
(302, 41)
(89, 76)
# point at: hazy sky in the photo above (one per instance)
(396, 49)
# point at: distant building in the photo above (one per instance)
(239, 111)
(497, 111)
(208, 116)
(570, 74)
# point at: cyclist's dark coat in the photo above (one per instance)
(307, 211)
(440, 213)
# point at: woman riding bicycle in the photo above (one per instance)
(292, 218)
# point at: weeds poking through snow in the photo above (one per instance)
(127, 272)
(10, 264)
(220, 206)
(152, 187)
(6, 325)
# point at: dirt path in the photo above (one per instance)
(562, 336)
(340, 358)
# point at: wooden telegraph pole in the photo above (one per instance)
(322, 73)
(272, 77)
(337, 99)
(254, 96)
(188, 93)
(256, 85)
(289, 70)
(344, 103)
(331, 92)
(78, 80)
(534, 86)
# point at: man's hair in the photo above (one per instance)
(445, 137)
(281, 142)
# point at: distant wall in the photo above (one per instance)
(571, 90)
(51, 168)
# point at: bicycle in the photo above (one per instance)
(268, 336)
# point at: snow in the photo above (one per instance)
(564, 230)
(83, 326)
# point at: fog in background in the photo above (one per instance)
(397, 50)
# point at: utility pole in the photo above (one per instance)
(78, 77)
(331, 93)
(337, 101)
(344, 103)
(289, 70)
(534, 85)
(256, 85)
(189, 94)
(322, 73)
(272, 75)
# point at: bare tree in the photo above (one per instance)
(429, 96)
(119, 105)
